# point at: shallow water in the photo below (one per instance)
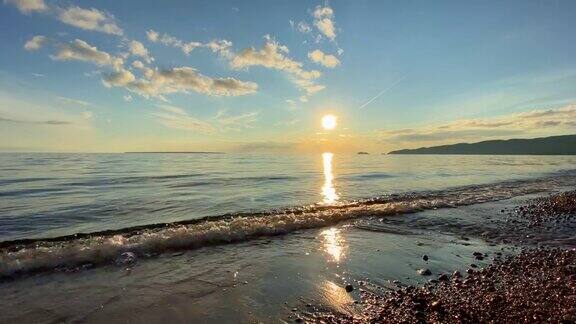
(47, 195)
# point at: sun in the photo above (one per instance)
(329, 122)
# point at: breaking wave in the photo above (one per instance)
(88, 249)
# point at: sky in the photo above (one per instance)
(251, 76)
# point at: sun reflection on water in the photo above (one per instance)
(333, 243)
(328, 190)
(336, 296)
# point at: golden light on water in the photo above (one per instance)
(333, 243)
(328, 190)
(336, 296)
(329, 122)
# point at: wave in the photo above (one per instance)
(25, 256)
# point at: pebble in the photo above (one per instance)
(424, 272)
(126, 258)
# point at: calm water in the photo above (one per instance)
(44, 195)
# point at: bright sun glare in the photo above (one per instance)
(329, 122)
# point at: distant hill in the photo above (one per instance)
(554, 145)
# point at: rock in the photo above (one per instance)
(456, 274)
(349, 288)
(126, 258)
(425, 257)
(424, 272)
(435, 305)
(443, 277)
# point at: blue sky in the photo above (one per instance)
(111, 76)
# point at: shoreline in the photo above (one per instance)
(537, 285)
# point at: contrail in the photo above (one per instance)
(395, 83)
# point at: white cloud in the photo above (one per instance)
(154, 82)
(28, 6)
(172, 41)
(274, 56)
(127, 98)
(119, 78)
(186, 79)
(536, 122)
(152, 35)
(74, 101)
(220, 46)
(35, 43)
(303, 27)
(236, 122)
(178, 118)
(326, 60)
(137, 64)
(81, 51)
(292, 104)
(324, 21)
(90, 19)
(137, 49)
